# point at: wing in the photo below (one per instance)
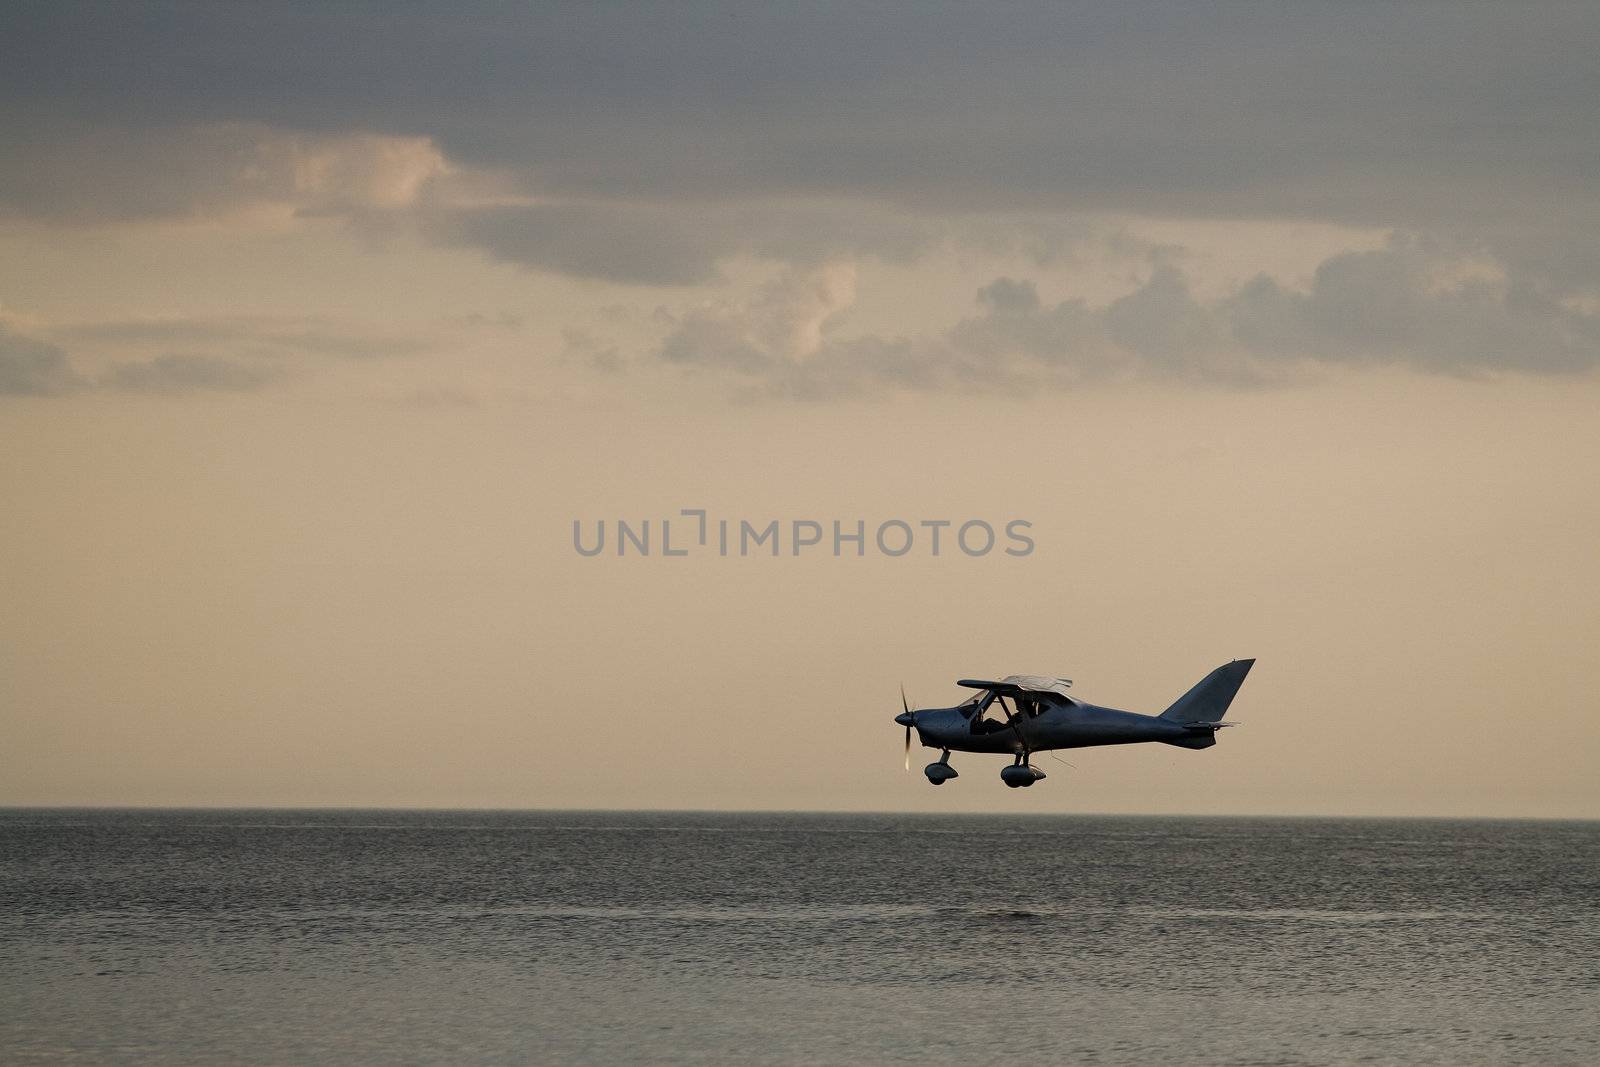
(1017, 684)
(1005, 689)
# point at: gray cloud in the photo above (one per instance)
(779, 343)
(79, 170)
(178, 373)
(1404, 304)
(717, 98)
(253, 335)
(621, 243)
(782, 326)
(1470, 119)
(678, 244)
(1161, 322)
(1390, 306)
(1005, 295)
(264, 351)
(30, 367)
(1014, 326)
(583, 348)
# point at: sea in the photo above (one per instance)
(396, 937)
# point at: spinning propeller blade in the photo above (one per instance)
(904, 704)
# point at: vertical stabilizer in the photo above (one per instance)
(1208, 701)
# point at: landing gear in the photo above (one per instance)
(941, 772)
(1021, 774)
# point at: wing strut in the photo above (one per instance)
(1015, 723)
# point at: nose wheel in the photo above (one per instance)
(941, 772)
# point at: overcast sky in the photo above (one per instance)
(321, 324)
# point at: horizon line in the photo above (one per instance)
(10, 808)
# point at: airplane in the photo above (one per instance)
(1048, 717)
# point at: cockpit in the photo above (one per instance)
(987, 712)
(983, 713)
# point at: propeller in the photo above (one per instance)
(907, 719)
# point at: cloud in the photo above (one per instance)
(585, 349)
(782, 325)
(383, 184)
(711, 99)
(175, 374)
(136, 354)
(91, 173)
(625, 121)
(1008, 296)
(648, 144)
(674, 244)
(1015, 327)
(263, 336)
(1406, 304)
(781, 341)
(1397, 305)
(30, 367)
(618, 243)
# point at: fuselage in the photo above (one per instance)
(1072, 725)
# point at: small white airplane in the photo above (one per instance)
(1048, 717)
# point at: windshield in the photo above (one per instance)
(975, 704)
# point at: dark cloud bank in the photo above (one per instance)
(1390, 114)
(646, 142)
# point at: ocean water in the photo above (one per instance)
(289, 937)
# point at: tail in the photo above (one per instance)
(1208, 701)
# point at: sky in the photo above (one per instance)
(325, 328)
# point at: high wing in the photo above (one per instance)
(1017, 684)
(1003, 688)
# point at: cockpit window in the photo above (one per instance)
(987, 716)
(976, 704)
